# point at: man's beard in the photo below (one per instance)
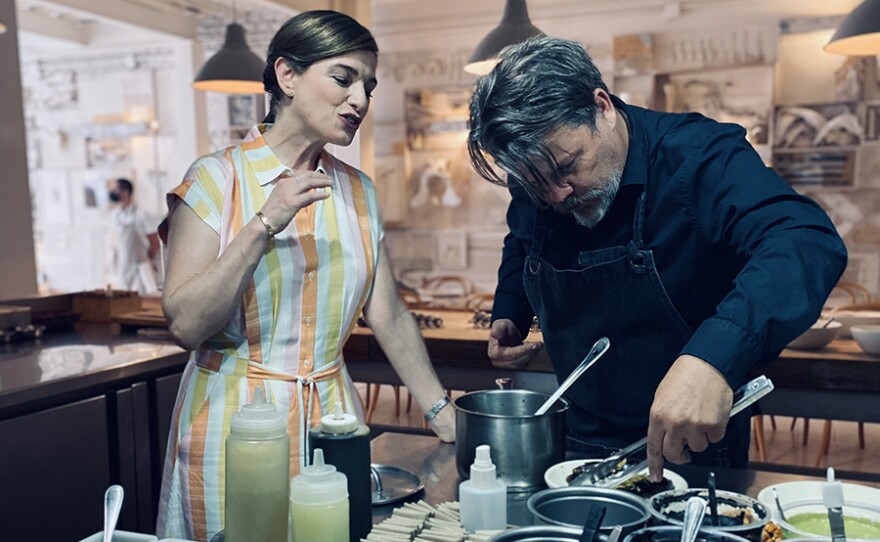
(590, 207)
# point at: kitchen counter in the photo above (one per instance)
(79, 363)
(434, 462)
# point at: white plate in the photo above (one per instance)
(555, 476)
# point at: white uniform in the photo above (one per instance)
(132, 249)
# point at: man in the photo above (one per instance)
(664, 232)
(137, 241)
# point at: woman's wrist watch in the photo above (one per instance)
(436, 408)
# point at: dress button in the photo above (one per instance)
(308, 320)
(311, 275)
(307, 363)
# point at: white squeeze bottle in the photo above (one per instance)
(319, 503)
(257, 473)
(483, 498)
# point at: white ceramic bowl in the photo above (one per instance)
(868, 337)
(817, 336)
(806, 497)
(854, 318)
(121, 536)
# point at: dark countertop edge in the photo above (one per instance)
(43, 395)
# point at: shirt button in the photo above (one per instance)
(311, 275)
(308, 320)
(307, 363)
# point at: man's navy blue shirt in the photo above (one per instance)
(746, 260)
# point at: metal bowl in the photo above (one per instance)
(669, 533)
(668, 506)
(565, 507)
(542, 533)
(523, 446)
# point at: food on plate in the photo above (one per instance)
(731, 517)
(639, 484)
(817, 523)
(642, 485)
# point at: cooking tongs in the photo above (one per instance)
(616, 468)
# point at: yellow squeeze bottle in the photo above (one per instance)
(257, 473)
(319, 503)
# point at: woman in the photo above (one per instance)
(275, 248)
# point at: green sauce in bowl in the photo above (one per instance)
(817, 523)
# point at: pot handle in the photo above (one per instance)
(504, 383)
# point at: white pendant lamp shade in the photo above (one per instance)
(234, 69)
(515, 27)
(859, 33)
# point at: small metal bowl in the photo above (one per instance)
(667, 507)
(543, 533)
(565, 506)
(669, 533)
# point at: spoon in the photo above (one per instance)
(112, 505)
(778, 505)
(713, 500)
(825, 325)
(693, 519)
(593, 356)
(615, 533)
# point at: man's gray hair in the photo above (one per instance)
(538, 86)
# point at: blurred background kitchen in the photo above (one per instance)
(97, 90)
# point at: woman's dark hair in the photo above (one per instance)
(309, 37)
(539, 85)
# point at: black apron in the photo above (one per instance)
(616, 293)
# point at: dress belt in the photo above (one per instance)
(258, 371)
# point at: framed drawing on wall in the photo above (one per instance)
(451, 249)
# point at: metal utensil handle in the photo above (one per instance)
(377, 479)
(693, 519)
(599, 348)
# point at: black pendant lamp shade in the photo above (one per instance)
(234, 69)
(859, 33)
(515, 27)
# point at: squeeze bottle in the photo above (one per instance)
(483, 498)
(346, 445)
(257, 473)
(319, 503)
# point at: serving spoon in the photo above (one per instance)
(693, 519)
(596, 352)
(112, 505)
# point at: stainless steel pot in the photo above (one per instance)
(523, 445)
(565, 507)
(669, 533)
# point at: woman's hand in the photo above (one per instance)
(443, 424)
(292, 194)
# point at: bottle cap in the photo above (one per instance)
(483, 471)
(319, 483)
(339, 422)
(258, 419)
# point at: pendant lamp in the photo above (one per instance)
(859, 33)
(515, 27)
(234, 69)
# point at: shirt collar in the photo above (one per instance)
(264, 163)
(636, 169)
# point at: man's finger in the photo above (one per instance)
(673, 448)
(656, 433)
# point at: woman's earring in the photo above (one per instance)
(289, 93)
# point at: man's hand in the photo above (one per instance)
(691, 407)
(506, 348)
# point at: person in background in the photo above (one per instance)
(137, 241)
(275, 249)
(664, 232)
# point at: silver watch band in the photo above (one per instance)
(436, 408)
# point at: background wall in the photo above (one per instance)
(749, 58)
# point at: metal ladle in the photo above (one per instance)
(596, 352)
